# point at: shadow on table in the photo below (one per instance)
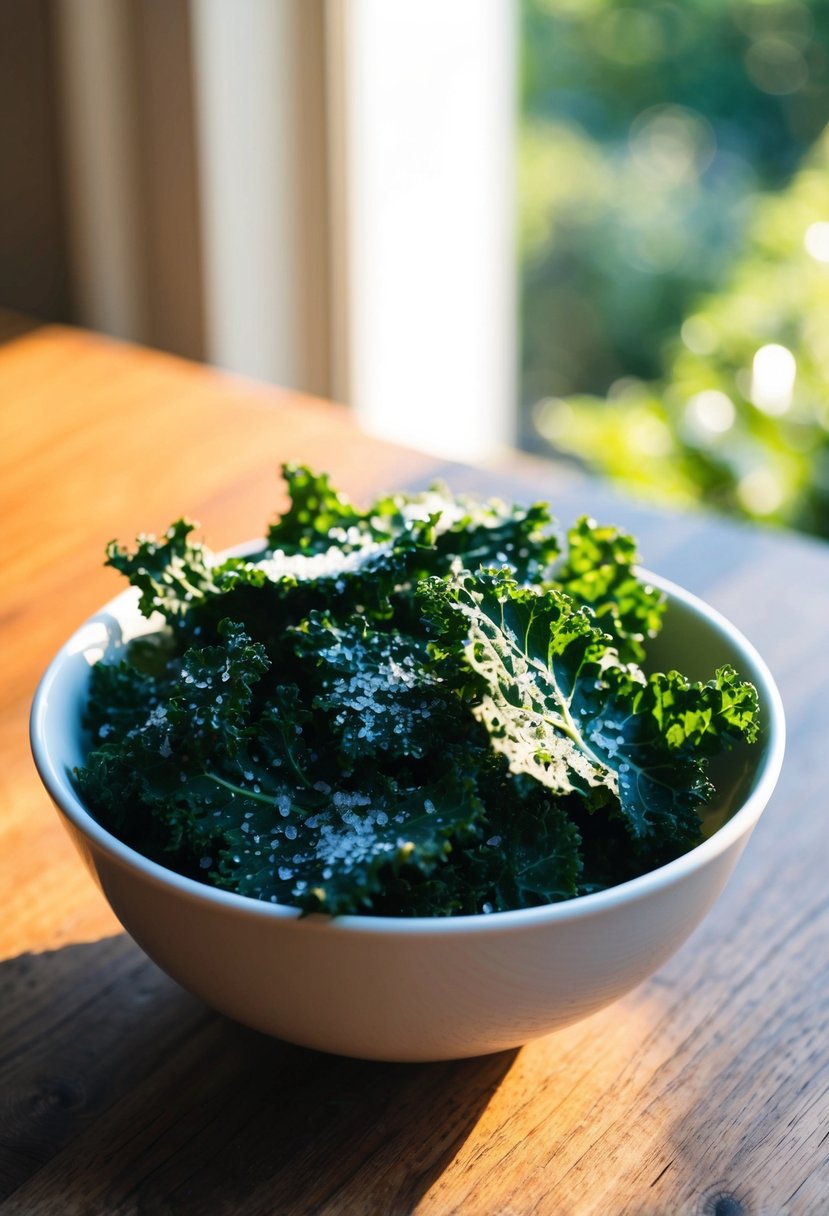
(121, 1093)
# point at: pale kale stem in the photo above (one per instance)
(196, 593)
(568, 727)
(561, 720)
(265, 799)
(297, 771)
(178, 570)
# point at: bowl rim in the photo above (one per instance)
(740, 824)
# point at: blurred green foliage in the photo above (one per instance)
(675, 247)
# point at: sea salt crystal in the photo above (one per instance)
(333, 563)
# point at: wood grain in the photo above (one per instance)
(705, 1092)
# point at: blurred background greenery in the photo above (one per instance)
(674, 245)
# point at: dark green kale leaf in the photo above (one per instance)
(365, 716)
(384, 696)
(147, 772)
(210, 705)
(526, 851)
(530, 849)
(447, 527)
(472, 532)
(362, 579)
(497, 533)
(536, 858)
(119, 697)
(339, 858)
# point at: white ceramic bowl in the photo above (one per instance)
(413, 989)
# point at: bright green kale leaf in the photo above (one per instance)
(599, 570)
(171, 574)
(656, 735)
(533, 653)
(319, 517)
(564, 710)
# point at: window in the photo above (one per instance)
(674, 168)
(595, 227)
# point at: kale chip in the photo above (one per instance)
(429, 707)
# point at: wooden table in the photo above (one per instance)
(705, 1091)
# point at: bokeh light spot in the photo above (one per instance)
(773, 373)
(761, 491)
(816, 241)
(708, 414)
(776, 66)
(650, 436)
(699, 335)
(672, 143)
